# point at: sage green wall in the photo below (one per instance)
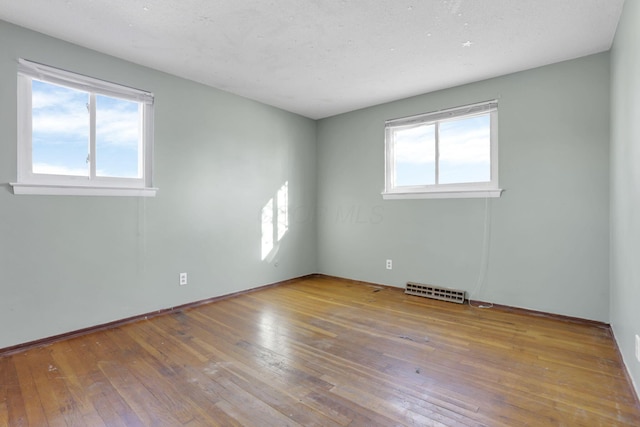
(549, 232)
(625, 186)
(72, 262)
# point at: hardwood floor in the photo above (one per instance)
(325, 352)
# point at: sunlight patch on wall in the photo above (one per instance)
(275, 221)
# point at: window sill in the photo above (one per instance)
(65, 190)
(447, 194)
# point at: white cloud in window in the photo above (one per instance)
(415, 145)
(70, 124)
(45, 168)
(468, 144)
(469, 147)
(118, 126)
(61, 115)
(46, 96)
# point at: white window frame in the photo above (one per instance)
(50, 184)
(457, 190)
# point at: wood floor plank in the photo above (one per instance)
(166, 401)
(63, 361)
(12, 405)
(320, 351)
(85, 356)
(344, 372)
(35, 414)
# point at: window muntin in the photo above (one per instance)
(449, 153)
(83, 133)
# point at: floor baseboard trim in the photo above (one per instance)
(19, 348)
(506, 308)
(529, 312)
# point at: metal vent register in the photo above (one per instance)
(444, 294)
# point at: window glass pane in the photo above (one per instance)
(118, 138)
(465, 150)
(414, 150)
(60, 130)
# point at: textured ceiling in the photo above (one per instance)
(323, 57)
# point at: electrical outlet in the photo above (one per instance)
(183, 279)
(638, 347)
(389, 264)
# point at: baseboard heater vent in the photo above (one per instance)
(444, 294)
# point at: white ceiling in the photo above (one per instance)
(319, 58)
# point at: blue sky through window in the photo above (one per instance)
(117, 137)
(60, 130)
(60, 133)
(415, 153)
(464, 152)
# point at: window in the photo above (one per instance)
(82, 136)
(448, 153)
